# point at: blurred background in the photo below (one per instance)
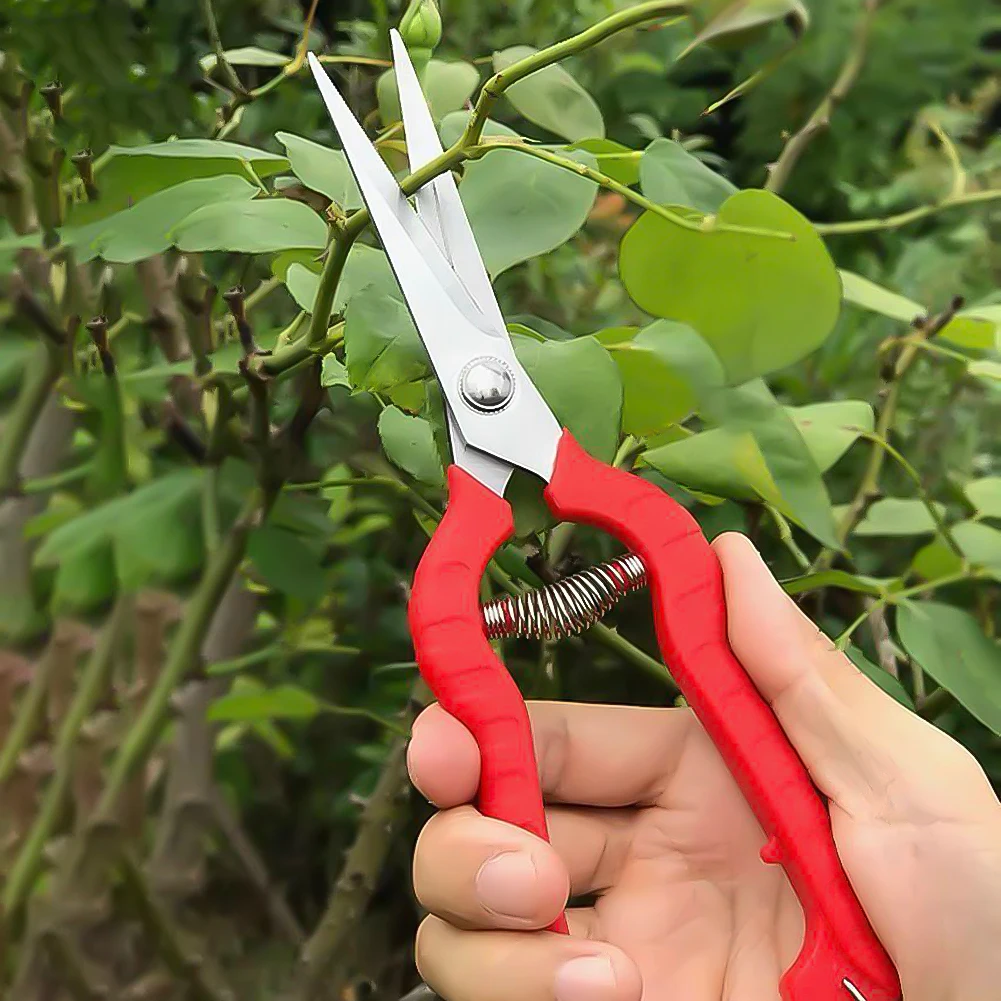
(210, 517)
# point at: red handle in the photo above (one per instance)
(690, 614)
(460, 666)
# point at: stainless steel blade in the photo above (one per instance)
(457, 336)
(440, 209)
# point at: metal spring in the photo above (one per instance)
(567, 607)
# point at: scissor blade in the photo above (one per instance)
(438, 203)
(392, 214)
(454, 331)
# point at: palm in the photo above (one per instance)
(691, 902)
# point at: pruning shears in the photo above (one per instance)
(498, 421)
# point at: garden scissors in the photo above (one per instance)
(498, 421)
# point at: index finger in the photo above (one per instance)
(588, 754)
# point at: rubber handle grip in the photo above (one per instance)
(690, 614)
(458, 663)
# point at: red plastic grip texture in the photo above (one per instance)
(690, 614)
(458, 663)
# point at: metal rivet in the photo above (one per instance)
(486, 385)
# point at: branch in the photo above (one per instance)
(187, 966)
(93, 685)
(894, 375)
(821, 118)
(709, 224)
(323, 964)
(494, 88)
(212, 27)
(183, 656)
(905, 218)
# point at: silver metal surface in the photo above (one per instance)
(449, 319)
(853, 990)
(567, 607)
(487, 384)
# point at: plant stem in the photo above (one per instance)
(324, 961)
(786, 537)
(186, 966)
(287, 358)
(184, 652)
(494, 88)
(41, 376)
(708, 224)
(92, 687)
(821, 118)
(212, 28)
(868, 489)
(905, 218)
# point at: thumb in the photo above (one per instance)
(865, 751)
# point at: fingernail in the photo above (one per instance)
(588, 978)
(506, 885)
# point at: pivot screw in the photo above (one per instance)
(487, 385)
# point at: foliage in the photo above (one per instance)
(222, 450)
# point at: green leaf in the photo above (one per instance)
(256, 227)
(366, 267)
(134, 172)
(800, 491)
(409, 443)
(84, 580)
(951, 647)
(144, 230)
(875, 673)
(782, 297)
(247, 55)
(663, 368)
(166, 509)
(979, 543)
(582, 386)
(618, 162)
(729, 461)
(985, 496)
(287, 563)
(966, 330)
(715, 19)
(898, 516)
(283, 702)
(334, 372)
(518, 206)
(322, 169)
(835, 578)
(670, 175)
(381, 346)
(447, 87)
(552, 98)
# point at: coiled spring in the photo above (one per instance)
(567, 607)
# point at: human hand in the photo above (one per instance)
(644, 815)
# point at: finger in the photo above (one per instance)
(531, 966)
(861, 746)
(442, 758)
(476, 872)
(591, 755)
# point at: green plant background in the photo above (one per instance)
(221, 454)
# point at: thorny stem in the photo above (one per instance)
(821, 118)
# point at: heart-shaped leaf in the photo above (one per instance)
(761, 302)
